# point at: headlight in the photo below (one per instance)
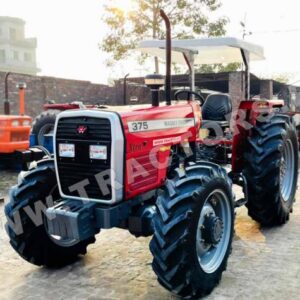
(26, 123)
(15, 123)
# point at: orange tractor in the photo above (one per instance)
(15, 151)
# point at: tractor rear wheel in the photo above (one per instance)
(298, 133)
(26, 224)
(44, 124)
(193, 230)
(271, 170)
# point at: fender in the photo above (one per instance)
(65, 106)
(245, 119)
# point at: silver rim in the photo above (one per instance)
(287, 170)
(62, 242)
(214, 231)
(46, 129)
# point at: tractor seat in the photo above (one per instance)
(217, 108)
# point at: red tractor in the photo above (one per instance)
(160, 171)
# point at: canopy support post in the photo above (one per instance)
(192, 74)
(189, 57)
(246, 59)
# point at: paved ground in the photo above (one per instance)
(265, 264)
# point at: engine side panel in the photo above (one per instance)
(149, 135)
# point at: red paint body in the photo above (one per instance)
(146, 162)
(65, 106)
(245, 119)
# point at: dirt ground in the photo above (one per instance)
(265, 264)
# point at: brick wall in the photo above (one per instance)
(266, 89)
(236, 88)
(42, 89)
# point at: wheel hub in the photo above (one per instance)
(213, 229)
(287, 170)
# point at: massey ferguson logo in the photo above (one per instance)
(82, 129)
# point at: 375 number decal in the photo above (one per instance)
(139, 126)
(160, 124)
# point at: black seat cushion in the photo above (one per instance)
(217, 107)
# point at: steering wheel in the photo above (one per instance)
(198, 97)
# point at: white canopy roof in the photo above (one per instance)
(206, 50)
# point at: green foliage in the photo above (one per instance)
(283, 77)
(219, 68)
(189, 18)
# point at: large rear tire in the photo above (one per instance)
(44, 124)
(298, 133)
(27, 231)
(193, 230)
(271, 170)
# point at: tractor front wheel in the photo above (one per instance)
(26, 223)
(271, 170)
(193, 230)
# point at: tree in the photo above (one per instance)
(189, 18)
(283, 77)
(219, 68)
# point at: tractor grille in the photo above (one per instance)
(82, 169)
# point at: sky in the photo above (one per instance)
(69, 33)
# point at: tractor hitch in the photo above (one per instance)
(240, 180)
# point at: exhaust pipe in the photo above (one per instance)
(168, 56)
(21, 86)
(125, 89)
(6, 101)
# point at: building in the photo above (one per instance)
(17, 53)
